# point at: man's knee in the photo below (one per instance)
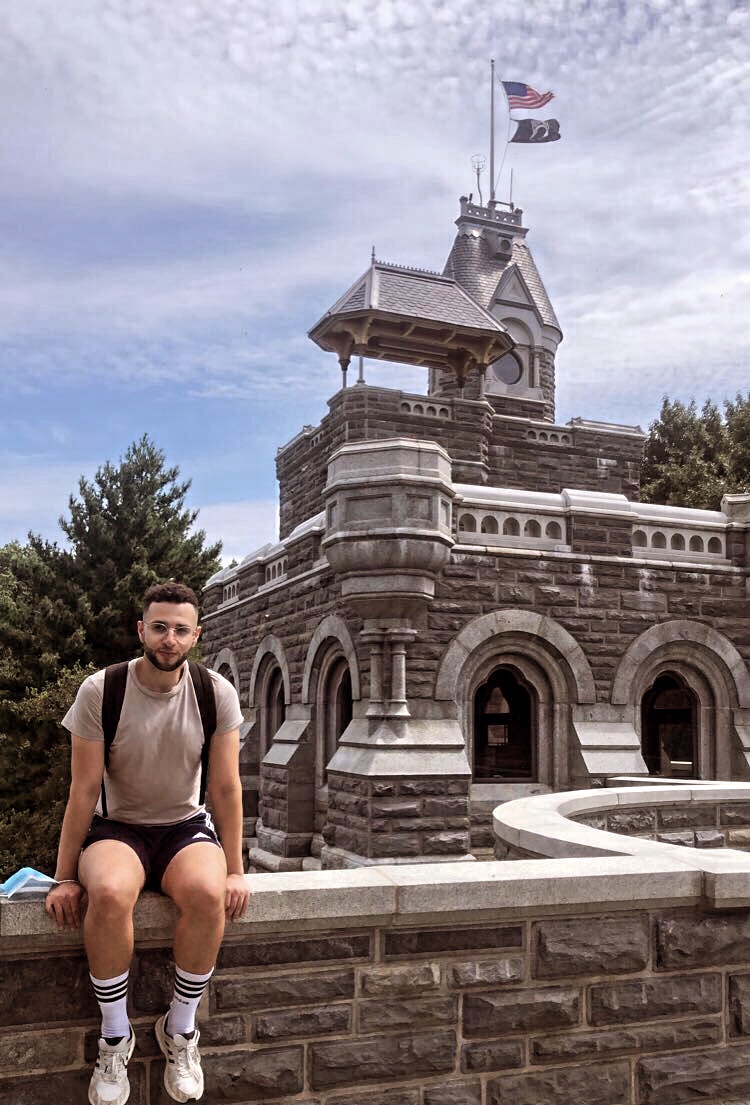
(111, 898)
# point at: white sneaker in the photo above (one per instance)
(183, 1077)
(109, 1083)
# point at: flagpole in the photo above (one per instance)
(507, 140)
(492, 130)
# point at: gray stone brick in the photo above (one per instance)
(687, 940)
(381, 1059)
(378, 1014)
(410, 979)
(591, 945)
(249, 1075)
(646, 999)
(560, 1047)
(34, 991)
(326, 1020)
(454, 1093)
(714, 1074)
(45, 1050)
(592, 1084)
(453, 940)
(486, 972)
(491, 1055)
(250, 992)
(259, 952)
(490, 1014)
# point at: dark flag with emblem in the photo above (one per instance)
(537, 130)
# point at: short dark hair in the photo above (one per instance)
(169, 592)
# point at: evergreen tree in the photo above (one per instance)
(128, 529)
(65, 612)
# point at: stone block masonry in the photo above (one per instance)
(594, 981)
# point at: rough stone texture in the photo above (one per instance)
(703, 941)
(655, 1037)
(318, 1021)
(488, 1014)
(458, 1093)
(598, 1084)
(590, 946)
(462, 939)
(486, 972)
(646, 999)
(447, 1027)
(709, 1075)
(381, 1059)
(252, 1075)
(250, 992)
(492, 1055)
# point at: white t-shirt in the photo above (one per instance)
(154, 769)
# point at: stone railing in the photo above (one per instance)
(598, 979)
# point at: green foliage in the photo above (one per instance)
(694, 457)
(65, 613)
(129, 529)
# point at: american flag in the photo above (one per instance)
(524, 96)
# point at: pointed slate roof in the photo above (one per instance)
(475, 265)
(395, 313)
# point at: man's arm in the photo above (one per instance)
(64, 902)
(225, 795)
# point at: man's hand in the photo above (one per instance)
(238, 895)
(64, 904)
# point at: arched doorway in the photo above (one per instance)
(669, 730)
(505, 742)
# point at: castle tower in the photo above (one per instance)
(492, 261)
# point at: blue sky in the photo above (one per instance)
(187, 185)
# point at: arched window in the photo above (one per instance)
(337, 708)
(272, 706)
(504, 728)
(669, 736)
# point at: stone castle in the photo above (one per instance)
(468, 603)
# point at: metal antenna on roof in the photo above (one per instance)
(478, 162)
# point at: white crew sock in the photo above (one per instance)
(112, 995)
(188, 991)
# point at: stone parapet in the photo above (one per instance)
(598, 980)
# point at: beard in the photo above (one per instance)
(172, 664)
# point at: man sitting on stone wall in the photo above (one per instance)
(135, 818)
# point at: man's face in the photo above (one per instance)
(168, 632)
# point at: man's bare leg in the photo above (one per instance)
(113, 877)
(195, 880)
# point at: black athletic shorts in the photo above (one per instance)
(155, 845)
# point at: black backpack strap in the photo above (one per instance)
(204, 692)
(115, 681)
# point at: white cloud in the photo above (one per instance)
(241, 526)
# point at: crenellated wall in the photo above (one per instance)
(608, 980)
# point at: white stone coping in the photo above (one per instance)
(434, 894)
(541, 824)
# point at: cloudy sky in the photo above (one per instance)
(187, 185)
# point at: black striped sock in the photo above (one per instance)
(112, 995)
(188, 991)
